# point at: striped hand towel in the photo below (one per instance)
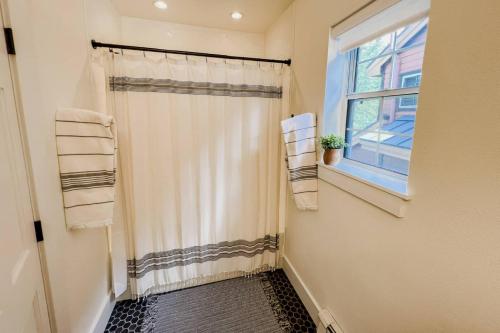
(300, 140)
(86, 146)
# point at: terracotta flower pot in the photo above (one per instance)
(331, 156)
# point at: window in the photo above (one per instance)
(372, 87)
(383, 79)
(409, 81)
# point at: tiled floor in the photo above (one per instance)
(290, 302)
(138, 316)
(131, 316)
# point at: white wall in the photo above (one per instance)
(52, 43)
(103, 21)
(279, 36)
(438, 269)
(167, 35)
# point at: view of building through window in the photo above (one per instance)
(385, 75)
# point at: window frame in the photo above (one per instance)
(349, 81)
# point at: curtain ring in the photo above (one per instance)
(121, 51)
(144, 52)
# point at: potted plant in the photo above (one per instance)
(332, 144)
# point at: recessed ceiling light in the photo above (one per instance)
(236, 15)
(160, 4)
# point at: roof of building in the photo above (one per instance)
(403, 125)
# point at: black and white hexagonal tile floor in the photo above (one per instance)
(286, 311)
(132, 316)
(291, 304)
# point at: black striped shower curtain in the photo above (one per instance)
(199, 169)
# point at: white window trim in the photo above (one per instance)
(383, 93)
(388, 200)
(362, 184)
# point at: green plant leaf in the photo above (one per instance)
(332, 141)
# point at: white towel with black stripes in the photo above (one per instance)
(299, 133)
(86, 149)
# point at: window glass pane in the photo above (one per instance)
(408, 68)
(384, 142)
(379, 150)
(369, 76)
(362, 147)
(383, 150)
(363, 114)
(397, 119)
(375, 48)
(394, 162)
(412, 34)
(380, 65)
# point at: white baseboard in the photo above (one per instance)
(103, 314)
(305, 295)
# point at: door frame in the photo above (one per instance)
(4, 14)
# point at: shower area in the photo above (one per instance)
(198, 165)
(200, 190)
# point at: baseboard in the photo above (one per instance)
(305, 295)
(103, 315)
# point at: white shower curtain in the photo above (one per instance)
(199, 166)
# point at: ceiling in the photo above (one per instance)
(258, 15)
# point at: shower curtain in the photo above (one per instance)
(199, 166)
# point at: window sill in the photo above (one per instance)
(385, 192)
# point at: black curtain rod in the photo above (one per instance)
(96, 44)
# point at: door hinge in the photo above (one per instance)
(38, 231)
(9, 40)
